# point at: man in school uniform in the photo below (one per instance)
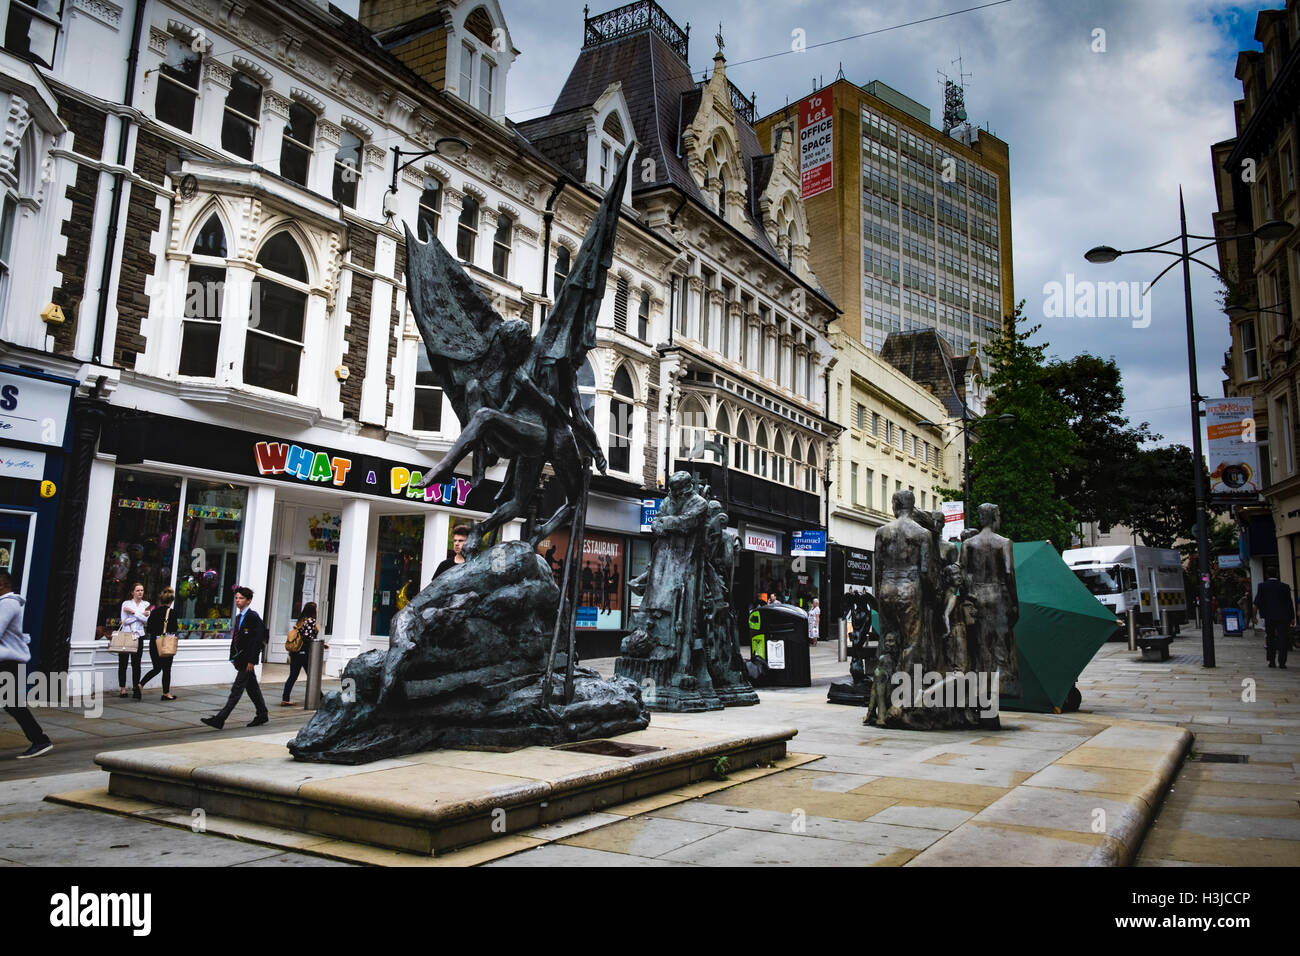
(245, 651)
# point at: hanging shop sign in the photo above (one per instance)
(857, 568)
(762, 541)
(810, 544)
(33, 410)
(649, 510)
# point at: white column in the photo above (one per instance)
(351, 603)
(436, 526)
(90, 575)
(255, 546)
(374, 387)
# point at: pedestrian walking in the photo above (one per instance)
(245, 651)
(162, 622)
(459, 535)
(296, 646)
(814, 621)
(135, 616)
(14, 651)
(1273, 603)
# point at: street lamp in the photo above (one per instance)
(967, 422)
(1270, 231)
(414, 156)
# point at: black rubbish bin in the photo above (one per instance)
(778, 646)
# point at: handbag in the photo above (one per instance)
(293, 643)
(167, 640)
(124, 642)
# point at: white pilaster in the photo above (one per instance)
(437, 524)
(351, 609)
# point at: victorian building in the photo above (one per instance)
(207, 202)
(1255, 181)
(739, 369)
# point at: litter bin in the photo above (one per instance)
(778, 636)
(1232, 620)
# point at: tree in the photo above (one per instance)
(1013, 465)
(1162, 495)
(1093, 479)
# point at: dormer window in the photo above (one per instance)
(612, 138)
(605, 152)
(487, 77)
(485, 54)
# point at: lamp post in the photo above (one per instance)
(1270, 231)
(414, 156)
(967, 422)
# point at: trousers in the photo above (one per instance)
(135, 667)
(161, 665)
(297, 664)
(244, 680)
(1276, 640)
(31, 729)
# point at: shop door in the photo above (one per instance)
(301, 580)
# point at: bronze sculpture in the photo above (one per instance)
(989, 572)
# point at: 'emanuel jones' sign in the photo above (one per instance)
(811, 544)
(649, 509)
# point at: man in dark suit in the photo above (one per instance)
(245, 651)
(1273, 603)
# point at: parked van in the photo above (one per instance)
(1124, 577)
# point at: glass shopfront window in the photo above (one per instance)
(397, 568)
(141, 542)
(208, 566)
(602, 576)
(774, 575)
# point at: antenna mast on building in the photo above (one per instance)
(954, 96)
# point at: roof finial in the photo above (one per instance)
(719, 37)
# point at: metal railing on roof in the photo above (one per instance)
(633, 18)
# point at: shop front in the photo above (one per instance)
(204, 508)
(34, 439)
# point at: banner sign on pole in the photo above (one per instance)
(954, 520)
(1233, 453)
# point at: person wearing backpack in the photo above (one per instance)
(296, 644)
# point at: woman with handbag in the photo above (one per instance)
(135, 615)
(161, 631)
(296, 644)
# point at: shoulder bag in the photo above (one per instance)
(167, 640)
(293, 643)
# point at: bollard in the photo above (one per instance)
(1132, 629)
(315, 665)
(844, 641)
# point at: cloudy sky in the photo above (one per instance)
(1100, 141)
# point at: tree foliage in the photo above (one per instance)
(1014, 464)
(1162, 495)
(1094, 478)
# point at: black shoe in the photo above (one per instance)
(1271, 664)
(259, 720)
(138, 695)
(36, 750)
(212, 722)
(1283, 666)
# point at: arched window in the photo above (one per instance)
(204, 289)
(347, 169)
(722, 434)
(478, 26)
(643, 317)
(740, 454)
(778, 458)
(620, 422)
(501, 245)
(760, 452)
(467, 231)
(273, 351)
(561, 269)
(810, 473)
(430, 209)
(789, 246)
(296, 146)
(620, 304)
(796, 457)
(722, 193)
(692, 425)
(242, 116)
(587, 390)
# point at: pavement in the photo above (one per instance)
(1048, 789)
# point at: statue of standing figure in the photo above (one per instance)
(989, 578)
(902, 580)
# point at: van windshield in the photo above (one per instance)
(1113, 580)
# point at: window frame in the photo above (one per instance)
(229, 112)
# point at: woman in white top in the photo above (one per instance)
(135, 615)
(814, 621)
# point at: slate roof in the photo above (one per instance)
(926, 358)
(663, 97)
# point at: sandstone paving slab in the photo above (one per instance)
(1064, 810)
(1238, 773)
(801, 823)
(572, 826)
(294, 860)
(424, 791)
(278, 773)
(648, 836)
(563, 855)
(178, 761)
(1100, 780)
(991, 758)
(787, 799)
(534, 763)
(932, 772)
(1040, 740)
(737, 847)
(942, 818)
(948, 794)
(1188, 799)
(35, 788)
(1163, 842)
(995, 844)
(1187, 820)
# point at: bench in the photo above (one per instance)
(1154, 645)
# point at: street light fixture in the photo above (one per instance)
(967, 422)
(1270, 231)
(414, 156)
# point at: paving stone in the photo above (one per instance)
(737, 847)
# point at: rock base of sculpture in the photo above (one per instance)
(663, 689)
(465, 668)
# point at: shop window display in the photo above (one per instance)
(211, 532)
(397, 568)
(601, 577)
(141, 541)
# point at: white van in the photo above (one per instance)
(1124, 577)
